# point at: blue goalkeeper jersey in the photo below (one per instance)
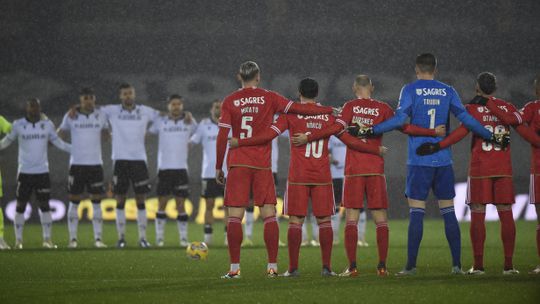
(428, 104)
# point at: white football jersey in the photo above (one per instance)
(173, 147)
(128, 130)
(85, 133)
(338, 150)
(33, 141)
(206, 134)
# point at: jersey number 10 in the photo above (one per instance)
(315, 148)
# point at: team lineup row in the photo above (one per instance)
(245, 121)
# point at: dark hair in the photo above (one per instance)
(33, 100)
(124, 85)
(426, 62)
(308, 88)
(249, 70)
(174, 96)
(86, 91)
(487, 82)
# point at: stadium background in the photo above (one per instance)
(51, 49)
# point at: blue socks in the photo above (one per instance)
(416, 230)
(453, 234)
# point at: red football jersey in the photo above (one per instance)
(310, 163)
(249, 112)
(369, 112)
(488, 159)
(531, 115)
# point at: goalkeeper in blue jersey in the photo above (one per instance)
(5, 128)
(428, 103)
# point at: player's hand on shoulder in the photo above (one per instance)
(233, 143)
(440, 131)
(337, 110)
(501, 139)
(188, 117)
(72, 112)
(428, 149)
(299, 139)
(220, 177)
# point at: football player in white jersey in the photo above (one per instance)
(174, 131)
(206, 134)
(86, 164)
(33, 133)
(338, 151)
(129, 122)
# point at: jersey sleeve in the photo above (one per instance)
(345, 116)
(281, 124)
(225, 120)
(107, 110)
(527, 112)
(154, 127)
(5, 126)
(65, 125)
(197, 136)
(511, 117)
(457, 108)
(400, 117)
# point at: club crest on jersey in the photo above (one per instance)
(481, 109)
(418, 92)
(42, 126)
(236, 103)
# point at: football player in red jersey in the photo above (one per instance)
(364, 172)
(247, 112)
(490, 171)
(531, 117)
(309, 175)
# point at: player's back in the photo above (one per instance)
(368, 112)
(488, 159)
(310, 163)
(431, 103)
(249, 112)
(531, 115)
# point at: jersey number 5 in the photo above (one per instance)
(246, 127)
(315, 148)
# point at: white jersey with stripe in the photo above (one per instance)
(206, 134)
(173, 147)
(85, 131)
(128, 130)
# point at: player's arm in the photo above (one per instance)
(5, 126)
(221, 141)
(453, 138)
(64, 127)
(283, 105)
(400, 117)
(57, 141)
(457, 108)
(415, 130)
(267, 136)
(529, 135)
(8, 139)
(512, 117)
(360, 146)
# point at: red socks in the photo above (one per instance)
(382, 241)
(508, 236)
(326, 237)
(478, 237)
(351, 240)
(294, 239)
(234, 238)
(271, 238)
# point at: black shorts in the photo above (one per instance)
(211, 189)
(87, 177)
(132, 172)
(173, 182)
(30, 183)
(338, 191)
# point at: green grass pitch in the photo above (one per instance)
(165, 275)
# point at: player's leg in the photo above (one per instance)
(181, 189)
(295, 205)
(264, 197)
(43, 191)
(314, 229)
(23, 193)
(504, 199)
(443, 189)
(338, 197)
(141, 186)
(362, 225)
(164, 192)
(120, 188)
(534, 187)
(479, 193)
(97, 192)
(237, 190)
(322, 200)
(76, 184)
(354, 189)
(210, 191)
(3, 244)
(537, 207)
(248, 226)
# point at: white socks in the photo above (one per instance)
(121, 223)
(362, 226)
(73, 220)
(249, 224)
(336, 220)
(161, 220)
(46, 224)
(19, 226)
(97, 221)
(141, 223)
(182, 225)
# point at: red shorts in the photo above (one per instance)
(490, 190)
(371, 187)
(297, 199)
(534, 188)
(242, 181)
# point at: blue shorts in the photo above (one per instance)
(420, 179)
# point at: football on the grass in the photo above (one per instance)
(197, 251)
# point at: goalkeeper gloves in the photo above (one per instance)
(428, 148)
